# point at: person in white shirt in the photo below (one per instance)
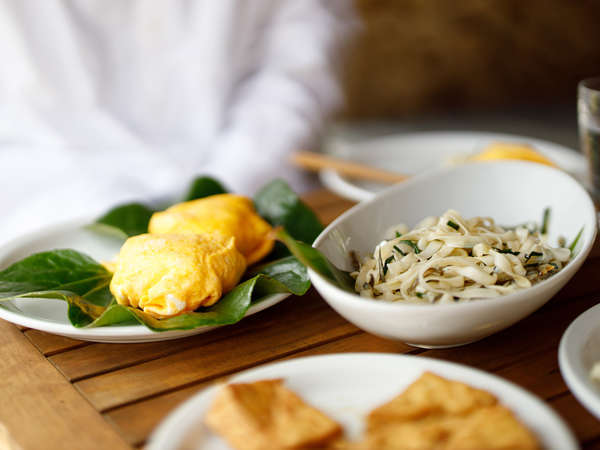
(105, 101)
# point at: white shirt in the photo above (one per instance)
(105, 101)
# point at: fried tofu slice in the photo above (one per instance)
(430, 394)
(492, 428)
(267, 415)
(428, 433)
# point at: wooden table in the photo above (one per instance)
(59, 393)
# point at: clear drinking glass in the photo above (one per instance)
(588, 111)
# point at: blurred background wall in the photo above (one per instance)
(427, 56)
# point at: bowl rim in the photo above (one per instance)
(357, 300)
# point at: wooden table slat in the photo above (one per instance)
(295, 330)
(39, 407)
(100, 358)
(50, 344)
(582, 423)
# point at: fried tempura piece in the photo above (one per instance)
(430, 394)
(492, 428)
(267, 415)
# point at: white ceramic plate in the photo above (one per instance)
(413, 153)
(578, 351)
(348, 386)
(51, 315)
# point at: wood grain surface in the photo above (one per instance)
(118, 393)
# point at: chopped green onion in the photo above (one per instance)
(399, 250)
(398, 234)
(412, 245)
(532, 254)
(575, 241)
(385, 264)
(453, 225)
(545, 220)
(420, 294)
(506, 250)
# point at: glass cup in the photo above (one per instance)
(588, 112)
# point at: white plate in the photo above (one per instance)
(348, 386)
(51, 315)
(578, 351)
(413, 153)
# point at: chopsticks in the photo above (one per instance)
(317, 161)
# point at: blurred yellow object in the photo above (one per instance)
(220, 216)
(503, 150)
(168, 274)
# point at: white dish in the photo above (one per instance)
(348, 386)
(578, 351)
(511, 192)
(413, 153)
(51, 315)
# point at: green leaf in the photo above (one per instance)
(203, 187)
(279, 205)
(288, 271)
(127, 220)
(313, 258)
(60, 274)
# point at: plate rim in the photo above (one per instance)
(183, 414)
(341, 185)
(569, 360)
(115, 334)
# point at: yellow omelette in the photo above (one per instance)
(220, 216)
(168, 274)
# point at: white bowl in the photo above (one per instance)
(579, 350)
(511, 192)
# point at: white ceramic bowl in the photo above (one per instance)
(511, 192)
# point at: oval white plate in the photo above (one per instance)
(51, 315)
(413, 153)
(578, 351)
(348, 386)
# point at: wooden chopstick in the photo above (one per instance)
(317, 161)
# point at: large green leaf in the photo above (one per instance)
(280, 205)
(82, 282)
(203, 187)
(313, 258)
(130, 219)
(60, 274)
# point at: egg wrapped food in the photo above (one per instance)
(169, 274)
(220, 216)
(510, 150)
